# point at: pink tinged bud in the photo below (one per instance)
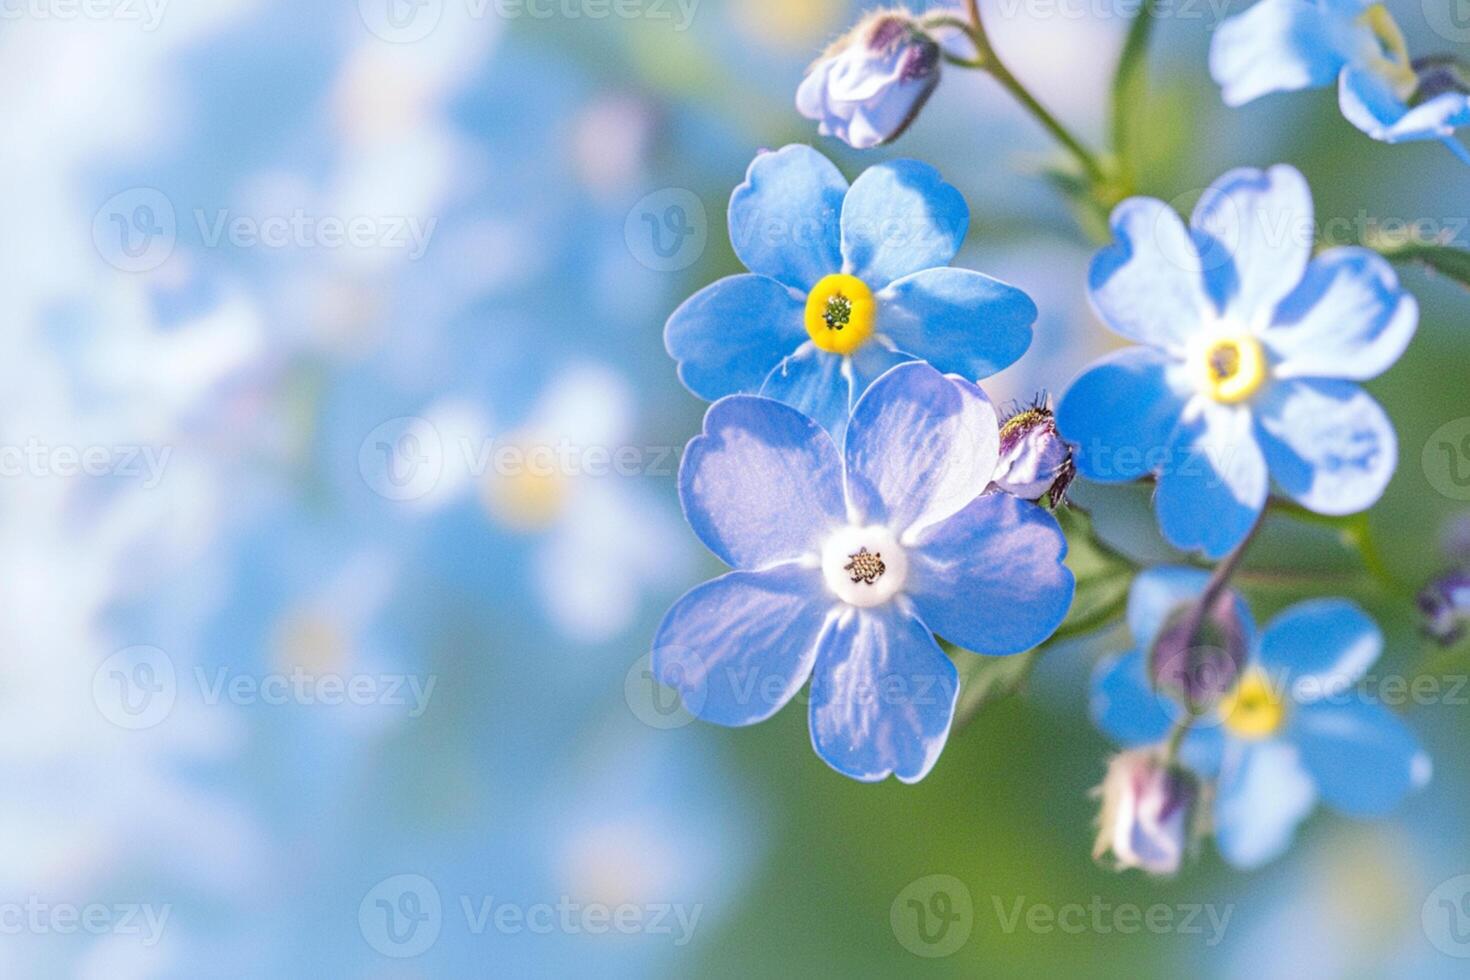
(870, 85)
(1444, 607)
(1148, 811)
(1197, 657)
(1035, 461)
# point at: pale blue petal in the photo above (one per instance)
(1348, 319)
(762, 484)
(1329, 444)
(1363, 758)
(1277, 46)
(1121, 414)
(882, 697)
(727, 336)
(785, 218)
(919, 448)
(1148, 285)
(1203, 751)
(1124, 704)
(1322, 646)
(991, 579)
(1257, 236)
(1158, 592)
(1263, 794)
(900, 218)
(817, 384)
(960, 321)
(1370, 103)
(1215, 483)
(738, 648)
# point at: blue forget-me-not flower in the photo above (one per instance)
(847, 563)
(844, 283)
(1251, 350)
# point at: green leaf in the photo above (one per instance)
(1103, 579)
(1451, 262)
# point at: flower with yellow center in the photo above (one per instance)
(1255, 709)
(840, 313)
(1392, 61)
(1230, 369)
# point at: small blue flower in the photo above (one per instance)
(1253, 350)
(845, 283)
(847, 564)
(1288, 45)
(1291, 731)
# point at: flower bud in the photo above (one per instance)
(871, 83)
(1444, 605)
(1199, 669)
(1147, 812)
(1035, 461)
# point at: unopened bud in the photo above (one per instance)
(1197, 657)
(1444, 606)
(1147, 816)
(870, 85)
(1035, 461)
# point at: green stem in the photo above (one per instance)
(1132, 64)
(988, 60)
(1356, 533)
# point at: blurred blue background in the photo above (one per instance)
(338, 441)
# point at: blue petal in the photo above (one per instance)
(960, 321)
(919, 448)
(883, 696)
(763, 484)
(1364, 759)
(1323, 645)
(900, 218)
(1256, 234)
(1263, 794)
(1348, 319)
(1215, 483)
(825, 386)
(785, 217)
(1121, 414)
(1203, 750)
(1277, 46)
(817, 384)
(1329, 444)
(738, 648)
(1148, 286)
(1159, 591)
(1125, 706)
(991, 578)
(1370, 103)
(727, 336)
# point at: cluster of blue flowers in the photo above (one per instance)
(869, 497)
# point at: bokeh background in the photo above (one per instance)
(315, 661)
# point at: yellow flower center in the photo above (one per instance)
(1392, 61)
(529, 494)
(1231, 369)
(840, 313)
(1254, 709)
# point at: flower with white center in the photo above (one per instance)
(848, 563)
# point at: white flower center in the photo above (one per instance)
(864, 566)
